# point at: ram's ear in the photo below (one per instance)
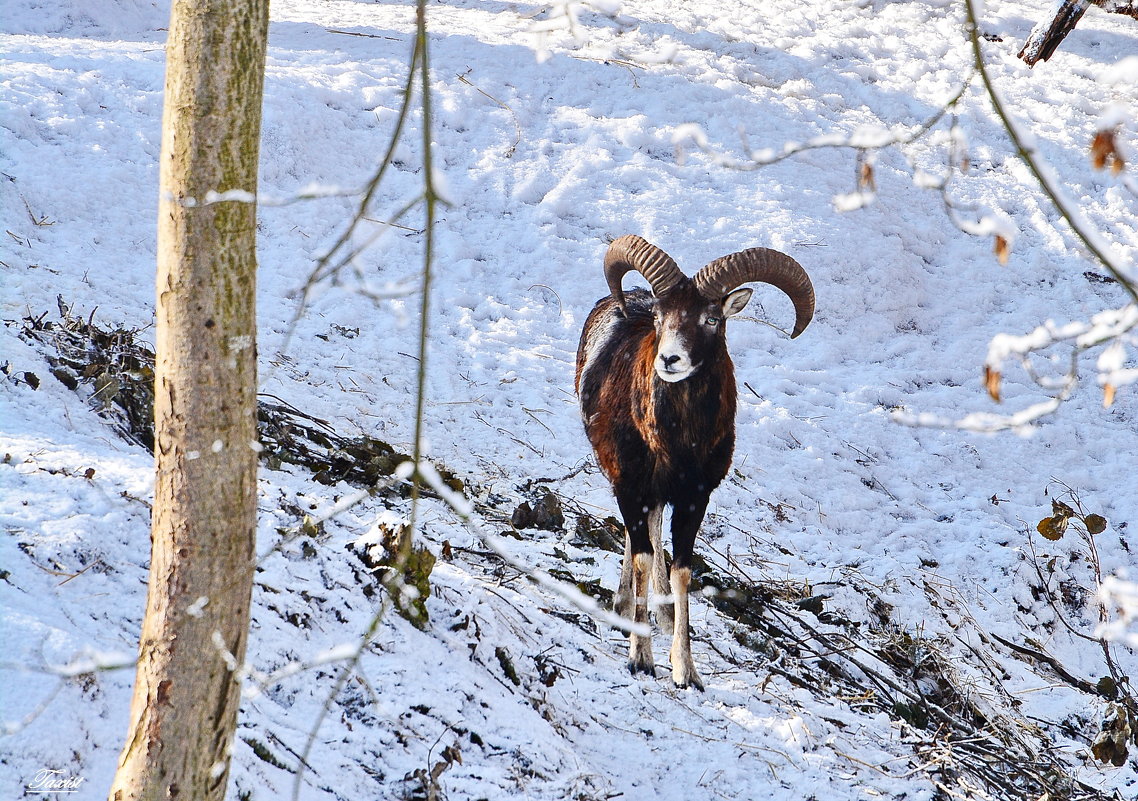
(736, 302)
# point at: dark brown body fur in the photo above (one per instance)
(658, 443)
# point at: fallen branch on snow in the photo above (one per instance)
(1046, 37)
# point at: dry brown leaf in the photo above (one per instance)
(1110, 744)
(1052, 528)
(1105, 152)
(1002, 249)
(865, 179)
(992, 383)
(1060, 509)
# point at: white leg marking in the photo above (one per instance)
(640, 647)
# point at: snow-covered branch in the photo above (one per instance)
(866, 140)
(1120, 597)
(1061, 19)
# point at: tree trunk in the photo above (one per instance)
(184, 710)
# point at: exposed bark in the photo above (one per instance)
(184, 709)
(1046, 37)
(1126, 7)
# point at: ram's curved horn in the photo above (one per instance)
(726, 273)
(632, 252)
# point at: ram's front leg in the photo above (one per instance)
(640, 645)
(635, 513)
(624, 601)
(686, 519)
(684, 673)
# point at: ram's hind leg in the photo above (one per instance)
(624, 602)
(660, 583)
(639, 548)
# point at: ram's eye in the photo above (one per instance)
(713, 321)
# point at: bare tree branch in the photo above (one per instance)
(1046, 37)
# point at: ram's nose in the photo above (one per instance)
(672, 367)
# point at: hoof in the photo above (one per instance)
(640, 655)
(638, 667)
(685, 675)
(693, 683)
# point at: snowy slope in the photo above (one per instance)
(551, 140)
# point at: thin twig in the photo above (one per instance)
(517, 125)
(365, 35)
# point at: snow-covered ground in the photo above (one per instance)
(553, 138)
